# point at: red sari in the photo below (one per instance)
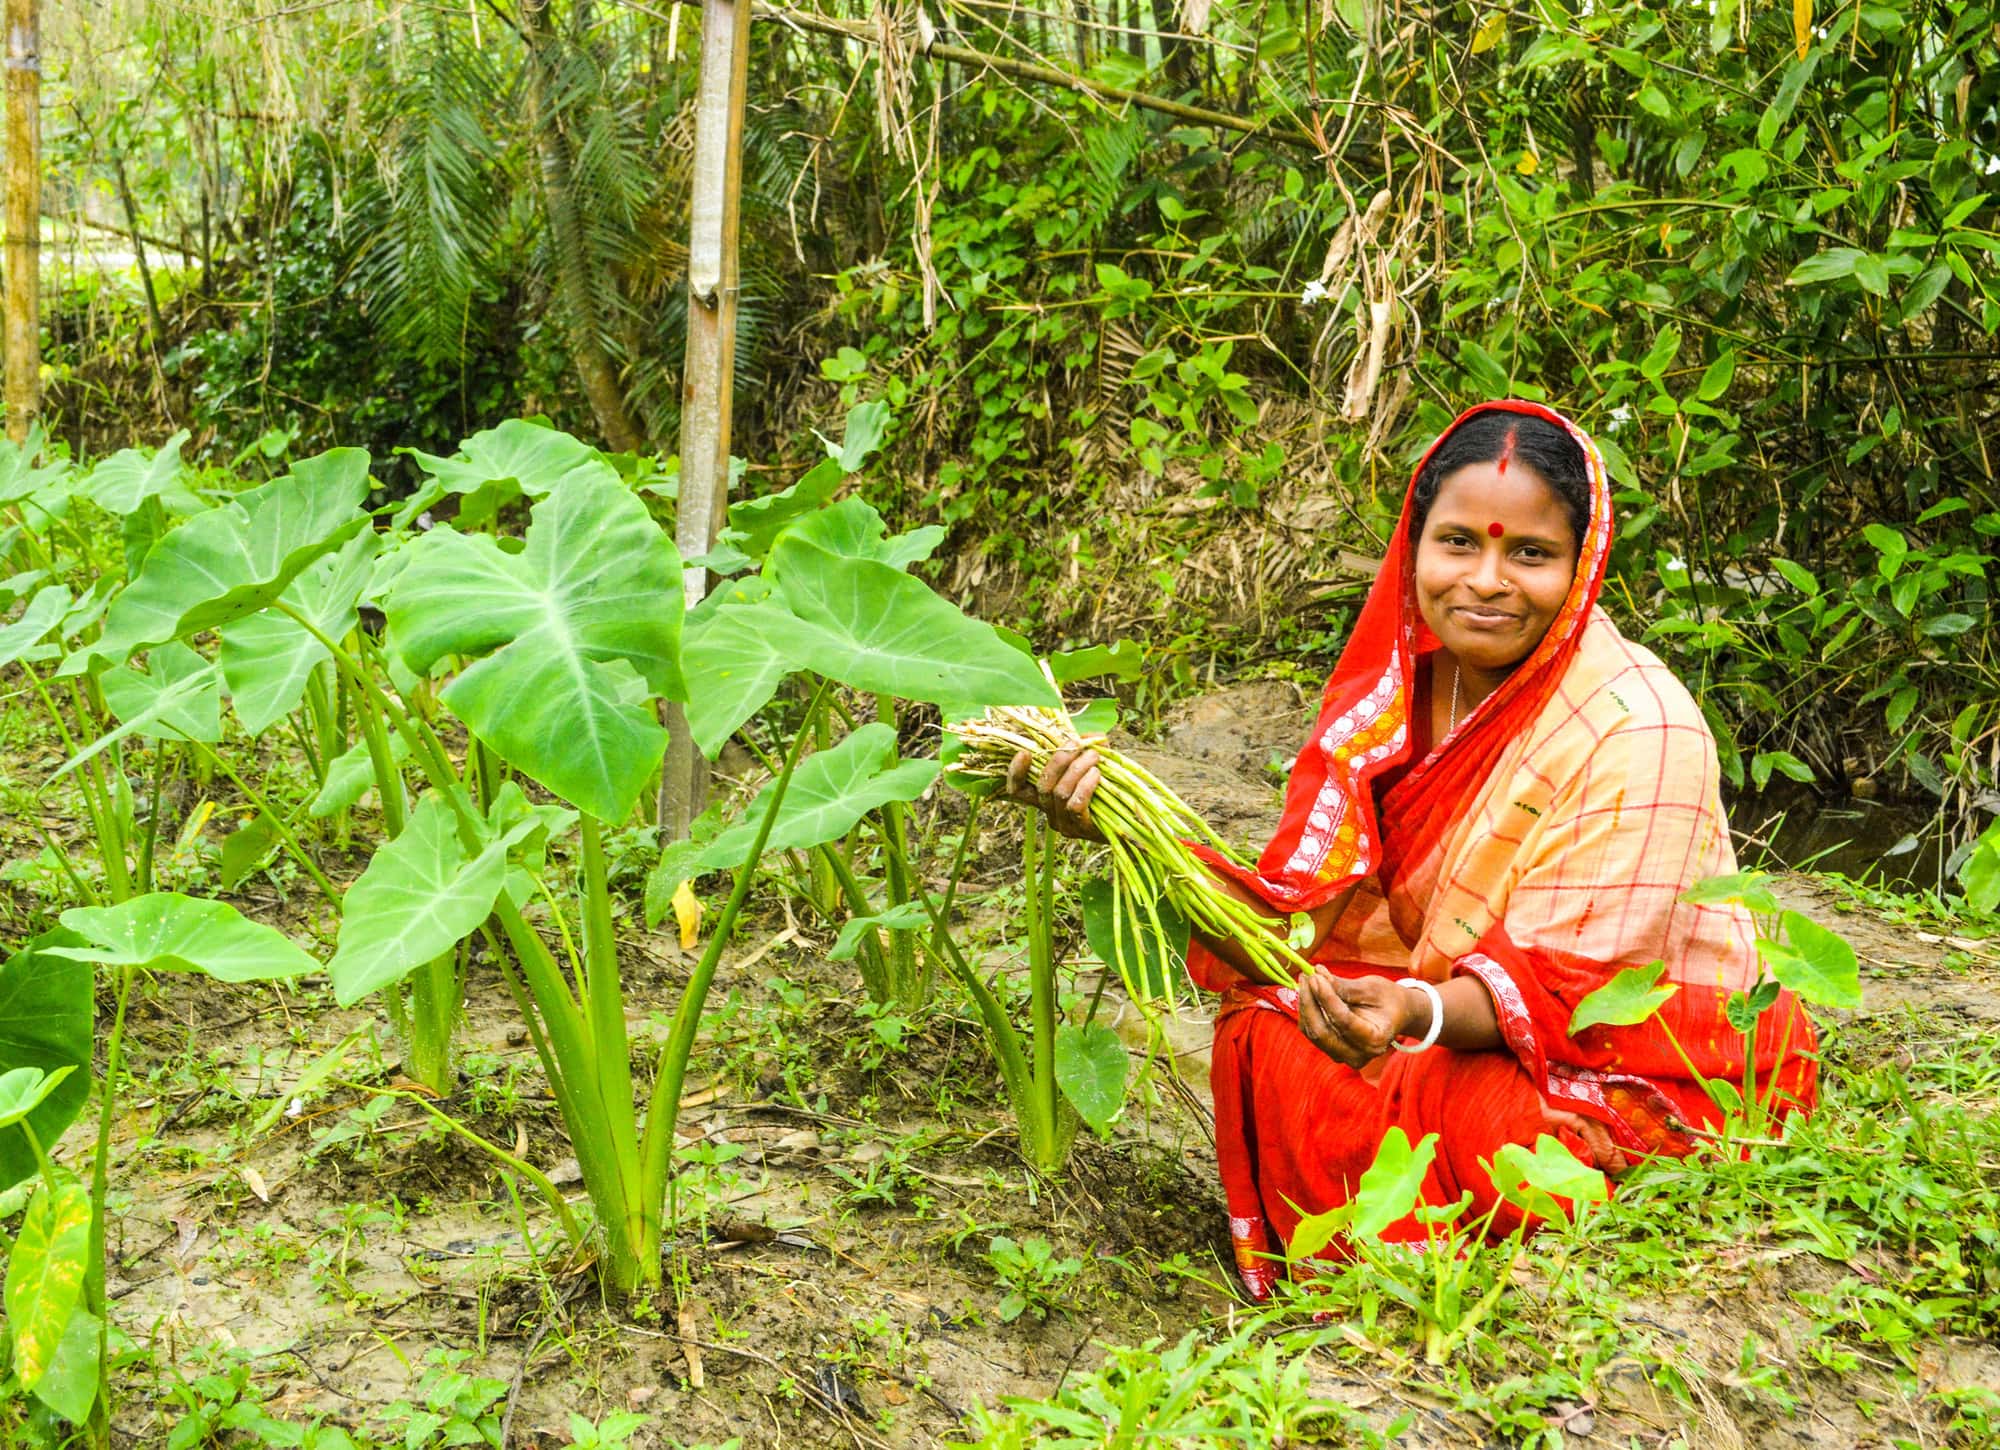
(1543, 846)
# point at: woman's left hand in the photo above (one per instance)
(1356, 1019)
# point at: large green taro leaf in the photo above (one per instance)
(534, 459)
(19, 640)
(1815, 963)
(233, 560)
(177, 697)
(46, 1021)
(869, 625)
(267, 657)
(1091, 1068)
(853, 528)
(45, 1276)
(422, 894)
(164, 931)
(125, 480)
(830, 791)
(733, 668)
(69, 1386)
(755, 523)
(516, 458)
(1628, 998)
(1538, 1180)
(23, 1089)
(21, 478)
(597, 583)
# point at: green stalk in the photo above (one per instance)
(663, 1108)
(1000, 1031)
(1038, 866)
(324, 736)
(149, 842)
(604, 1015)
(895, 839)
(965, 839)
(874, 971)
(102, 826)
(100, 1189)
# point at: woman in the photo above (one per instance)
(1500, 808)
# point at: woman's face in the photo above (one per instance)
(1494, 563)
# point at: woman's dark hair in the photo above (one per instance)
(1488, 437)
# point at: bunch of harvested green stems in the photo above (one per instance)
(1147, 828)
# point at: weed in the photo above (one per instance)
(1034, 1278)
(450, 1407)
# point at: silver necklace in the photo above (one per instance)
(1451, 724)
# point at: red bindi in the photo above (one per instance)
(1494, 531)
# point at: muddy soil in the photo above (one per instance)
(832, 1283)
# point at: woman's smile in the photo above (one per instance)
(1483, 617)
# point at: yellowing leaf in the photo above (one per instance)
(687, 911)
(255, 1182)
(1527, 164)
(45, 1276)
(1802, 26)
(1490, 32)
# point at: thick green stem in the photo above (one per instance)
(635, 1238)
(103, 822)
(100, 1188)
(150, 840)
(1041, 1132)
(958, 859)
(663, 1109)
(895, 840)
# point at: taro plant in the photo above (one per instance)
(1796, 953)
(557, 656)
(830, 598)
(55, 1289)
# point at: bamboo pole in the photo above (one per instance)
(23, 328)
(710, 375)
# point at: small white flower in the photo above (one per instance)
(1621, 415)
(1676, 566)
(296, 1106)
(1993, 165)
(1315, 292)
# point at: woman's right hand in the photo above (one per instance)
(1062, 792)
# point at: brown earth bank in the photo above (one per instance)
(831, 1281)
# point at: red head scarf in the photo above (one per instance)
(1329, 835)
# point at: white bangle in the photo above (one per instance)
(1437, 1015)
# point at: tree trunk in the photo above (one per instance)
(574, 298)
(709, 379)
(24, 219)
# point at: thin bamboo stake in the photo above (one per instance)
(24, 225)
(709, 380)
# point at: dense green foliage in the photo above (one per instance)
(1751, 249)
